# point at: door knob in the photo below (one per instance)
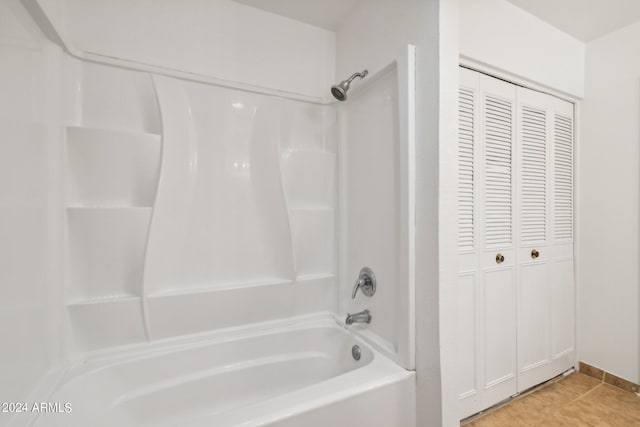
(534, 254)
(499, 258)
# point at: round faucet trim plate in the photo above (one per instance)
(366, 283)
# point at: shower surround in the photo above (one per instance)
(225, 217)
(195, 206)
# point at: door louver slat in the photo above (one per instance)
(533, 175)
(466, 185)
(498, 136)
(563, 178)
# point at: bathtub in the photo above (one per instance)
(299, 372)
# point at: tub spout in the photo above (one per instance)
(361, 317)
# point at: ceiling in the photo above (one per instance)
(327, 14)
(584, 19)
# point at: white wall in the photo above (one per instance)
(448, 207)
(369, 38)
(217, 38)
(608, 187)
(497, 33)
(30, 221)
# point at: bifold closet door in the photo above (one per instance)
(515, 239)
(468, 241)
(534, 192)
(563, 292)
(487, 276)
(544, 199)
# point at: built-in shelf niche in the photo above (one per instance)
(112, 168)
(309, 178)
(106, 251)
(113, 153)
(118, 320)
(112, 181)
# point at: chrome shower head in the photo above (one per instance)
(339, 91)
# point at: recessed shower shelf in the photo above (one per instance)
(311, 208)
(227, 286)
(119, 319)
(106, 250)
(87, 209)
(93, 132)
(111, 299)
(112, 167)
(310, 150)
(314, 276)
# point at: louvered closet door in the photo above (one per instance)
(487, 293)
(468, 242)
(497, 257)
(534, 206)
(515, 239)
(545, 211)
(562, 308)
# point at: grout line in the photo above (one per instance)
(580, 396)
(587, 392)
(617, 382)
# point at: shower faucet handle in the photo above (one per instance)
(366, 281)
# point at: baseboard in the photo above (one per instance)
(608, 378)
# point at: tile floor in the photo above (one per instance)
(574, 400)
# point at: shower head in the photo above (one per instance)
(339, 91)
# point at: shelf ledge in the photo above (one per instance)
(110, 299)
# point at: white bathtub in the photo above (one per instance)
(295, 373)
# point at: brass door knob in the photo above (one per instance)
(534, 254)
(499, 258)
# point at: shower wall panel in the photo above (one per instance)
(112, 154)
(243, 227)
(220, 215)
(229, 202)
(370, 176)
(198, 208)
(30, 284)
(377, 205)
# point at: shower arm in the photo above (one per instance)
(362, 75)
